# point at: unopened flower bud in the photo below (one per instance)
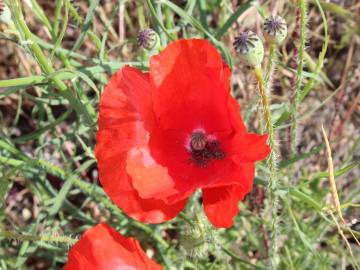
(148, 39)
(199, 239)
(275, 29)
(250, 48)
(5, 14)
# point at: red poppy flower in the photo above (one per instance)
(103, 248)
(165, 133)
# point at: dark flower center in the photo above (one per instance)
(204, 148)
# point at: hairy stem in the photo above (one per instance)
(270, 64)
(274, 258)
(299, 75)
(38, 238)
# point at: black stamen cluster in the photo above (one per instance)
(204, 150)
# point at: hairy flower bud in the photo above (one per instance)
(275, 29)
(199, 239)
(250, 48)
(5, 14)
(148, 39)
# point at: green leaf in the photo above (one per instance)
(5, 186)
(296, 158)
(305, 198)
(339, 172)
(336, 9)
(229, 22)
(59, 199)
(40, 131)
(86, 25)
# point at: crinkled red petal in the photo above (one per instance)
(189, 90)
(122, 152)
(103, 248)
(146, 122)
(216, 199)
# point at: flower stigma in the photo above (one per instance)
(204, 148)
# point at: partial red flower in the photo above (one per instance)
(103, 248)
(166, 133)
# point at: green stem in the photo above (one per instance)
(93, 191)
(322, 54)
(65, 75)
(38, 238)
(57, 15)
(299, 75)
(237, 258)
(159, 24)
(272, 186)
(47, 68)
(80, 22)
(270, 64)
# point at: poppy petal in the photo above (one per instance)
(147, 162)
(125, 113)
(126, 99)
(103, 248)
(169, 149)
(118, 185)
(251, 147)
(190, 86)
(150, 179)
(235, 116)
(216, 199)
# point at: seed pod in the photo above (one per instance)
(275, 29)
(5, 14)
(148, 39)
(250, 48)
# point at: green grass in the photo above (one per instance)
(63, 56)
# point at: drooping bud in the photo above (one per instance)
(250, 48)
(148, 39)
(5, 14)
(275, 29)
(198, 240)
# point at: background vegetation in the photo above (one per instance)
(54, 63)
